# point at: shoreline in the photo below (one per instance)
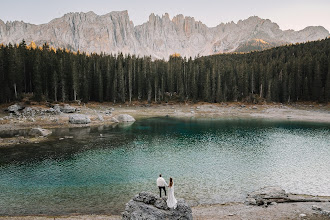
(304, 209)
(307, 112)
(231, 210)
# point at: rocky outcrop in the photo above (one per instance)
(123, 118)
(146, 205)
(37, 132)
(159, 37)
(266, 195)
(272, 195)
(79, 119)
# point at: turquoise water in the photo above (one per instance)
(211, 161)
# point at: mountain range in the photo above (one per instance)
(159, 37)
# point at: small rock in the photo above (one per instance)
(316, 208)
(100, 118)
(68, 109)
(79, 119)
(31, 119)
(192, 112)
(302, 215)
(113, 119)
(61, 139)
(39, 132)
(254, 107)
(14, 108)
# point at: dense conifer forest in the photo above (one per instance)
(289, 73)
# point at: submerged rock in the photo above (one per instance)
(79, 119)
(39, 132)
(124, 118)
(146, 205)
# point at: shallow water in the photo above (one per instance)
(211, 161)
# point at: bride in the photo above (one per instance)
(171, 201)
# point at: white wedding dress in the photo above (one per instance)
(171, 201)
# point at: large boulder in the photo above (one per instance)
(267, 195)
(124, 118)
(79, 119)
(39, 132)
(68, 109)
(146, 205)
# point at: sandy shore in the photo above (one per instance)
(296, 112)
(230, 211)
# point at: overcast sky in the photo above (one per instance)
(288, 14)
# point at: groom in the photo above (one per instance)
(161, 183)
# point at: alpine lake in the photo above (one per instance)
(97, 170)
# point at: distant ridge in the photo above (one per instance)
(159, 37)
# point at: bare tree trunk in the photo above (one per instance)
(15, 90)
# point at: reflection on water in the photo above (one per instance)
(211, 161)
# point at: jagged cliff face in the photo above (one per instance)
(158, 37)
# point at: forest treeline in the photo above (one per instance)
(289, 73)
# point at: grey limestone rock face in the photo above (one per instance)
(79, 119)
(159, 37)
(146, 205)
(39, 132)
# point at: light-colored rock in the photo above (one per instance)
(100, 118)
(302, 215)
(114, 119)
(40, 132)
(15, 108)
(79, 119)
(68, 109)
(124, 118)
(149, 206)
(266, 196)
(159, 37)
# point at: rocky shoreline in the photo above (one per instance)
(19, 117)
(266, 203)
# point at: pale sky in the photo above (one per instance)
(288, 14)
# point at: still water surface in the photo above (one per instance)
(211, 161)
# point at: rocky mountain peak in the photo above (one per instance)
(159, 37)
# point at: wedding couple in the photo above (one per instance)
(161, 183)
